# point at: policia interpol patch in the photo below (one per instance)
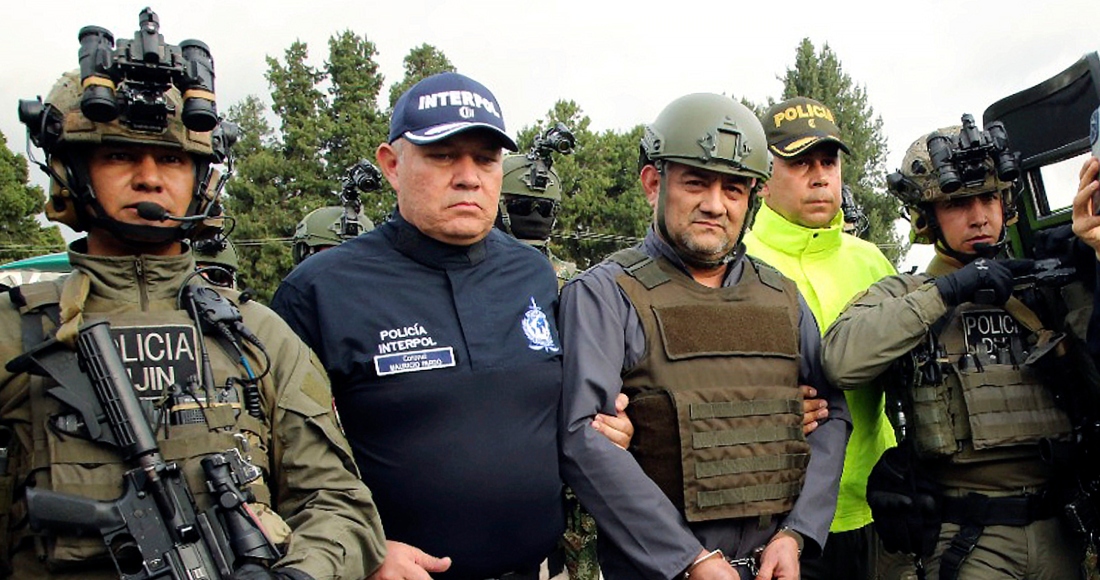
(157, 357)
(401, 350)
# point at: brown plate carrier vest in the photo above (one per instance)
(715, 401)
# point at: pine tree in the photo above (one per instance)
(356, 126)
(820, 76)
(256, 200)
(301, 107)
(421, 63)
(21, 236)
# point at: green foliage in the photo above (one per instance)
(601, 193)
(255, 199)
(301, 107)
(819, 75)
(421, 63)
(21, 236)
(328, 119)
(356, 126)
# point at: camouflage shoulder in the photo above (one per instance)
(566, 271)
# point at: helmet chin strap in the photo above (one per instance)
(137, 236)
(662, 195)
(503, 218)
(987, 251)
(141, 236)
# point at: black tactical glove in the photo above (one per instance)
(984, 281)
(258, 572)
(903, 504)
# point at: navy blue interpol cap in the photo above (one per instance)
(443, 105)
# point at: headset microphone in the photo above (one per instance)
(153, 212)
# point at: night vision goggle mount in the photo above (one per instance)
(128, 80)
(960, 161)
(556, 139)
(361, 177)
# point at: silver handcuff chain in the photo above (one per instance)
(750, 562)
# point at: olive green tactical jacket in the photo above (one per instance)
(314, 485)
(881, 325)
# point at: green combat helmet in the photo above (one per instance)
(126, 96)
(220, 256)
(331, 226)
(711, 132)
(324, 228)
(531, 194)
(950, 163)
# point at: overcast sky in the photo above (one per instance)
(923, 63)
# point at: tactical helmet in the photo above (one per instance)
(218, 252)
(712, 132)
(530, 198)
(518, 179)
(917, 184)
(224, 255)
(320, 229)
(62, 130)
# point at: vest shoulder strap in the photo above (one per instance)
(767, 273)
(37, 301)
(640, 266)
(1025, 315)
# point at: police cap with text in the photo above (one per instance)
(796, 125)
(444, 105)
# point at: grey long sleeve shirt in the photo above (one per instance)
(602, 337)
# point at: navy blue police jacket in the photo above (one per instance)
(445, 364)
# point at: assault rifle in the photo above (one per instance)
(1073, 378)
(154, 530)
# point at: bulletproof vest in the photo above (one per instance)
(715, 402)
(973, 397)
(159, 349)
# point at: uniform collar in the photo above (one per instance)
(411, 242)
(788, 237)
(941, 265)
(125, 278)
(654, 246)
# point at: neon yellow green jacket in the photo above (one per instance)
(830, 268)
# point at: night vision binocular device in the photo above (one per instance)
(129, 79)
(960, 160)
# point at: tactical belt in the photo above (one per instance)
(555, 563)
(975, 511)
(979, 510)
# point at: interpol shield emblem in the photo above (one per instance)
(537, 329)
